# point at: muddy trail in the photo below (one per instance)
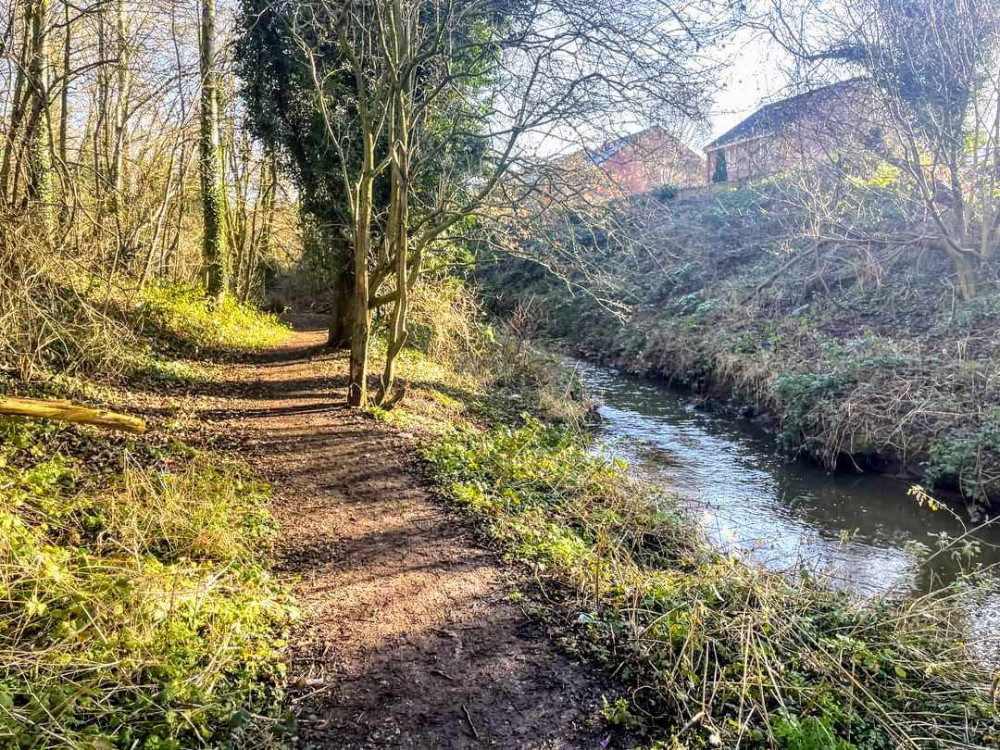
(407, 636)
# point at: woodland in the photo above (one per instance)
(290, 452)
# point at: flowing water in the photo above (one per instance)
(861, 530)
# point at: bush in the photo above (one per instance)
(665, 193)
(47, 323)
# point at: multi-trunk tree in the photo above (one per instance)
(402, 121)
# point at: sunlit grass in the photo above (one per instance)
(181, 318)
(728, 651)
(135, 611)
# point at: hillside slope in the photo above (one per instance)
(856, 344)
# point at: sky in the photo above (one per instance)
(755, 74)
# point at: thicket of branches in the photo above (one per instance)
(931, 65)
(118, 167)
(407, 124)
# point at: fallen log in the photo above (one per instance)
(66, 411)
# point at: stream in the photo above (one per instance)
(861, 531)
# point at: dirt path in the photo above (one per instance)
(407, 639)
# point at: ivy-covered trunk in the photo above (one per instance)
(213, 196)
(41, 187)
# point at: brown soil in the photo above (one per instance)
(407, 638)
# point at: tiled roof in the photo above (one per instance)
(611, 148)
(770, 118)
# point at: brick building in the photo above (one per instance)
(637, 164)
(827, 124)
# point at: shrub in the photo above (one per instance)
(47, 322)
(665, 193)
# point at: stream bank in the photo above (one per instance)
(862, 529)
(861, 354)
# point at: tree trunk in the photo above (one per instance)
(361, 316)
(966, 275)
(19, 104)
(69, 193)
(64, 96)
(119, 145)
(212, 193)
(400, 240)
(41, 187)
(343, 308)
(399, 200)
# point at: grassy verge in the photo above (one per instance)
(135, 606)
(180, 320)
(79, 328)
(712, 651)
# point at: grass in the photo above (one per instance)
(80, 328)
(180, 320)
(136, 610)
(136, 606)
(713, 650)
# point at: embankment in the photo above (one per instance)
(856, 349)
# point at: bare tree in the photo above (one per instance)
(431, 107)
(932, 67)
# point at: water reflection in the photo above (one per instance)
(860, 530)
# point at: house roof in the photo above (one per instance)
(609, 149)
(771, 118)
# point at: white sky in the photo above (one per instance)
(756, 73)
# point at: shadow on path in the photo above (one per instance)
(408, 636)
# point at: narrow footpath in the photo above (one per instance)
(408, 637)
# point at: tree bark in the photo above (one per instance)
(212, 193)
(399, 217)
(18, 106)
(342, 308)
(361, 316)
(41, 187)
(119, 146)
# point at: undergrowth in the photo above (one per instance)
(136, 610)
(716, 651)
(855, 346)
(56, 323)
(458, 361)
(181, 320)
